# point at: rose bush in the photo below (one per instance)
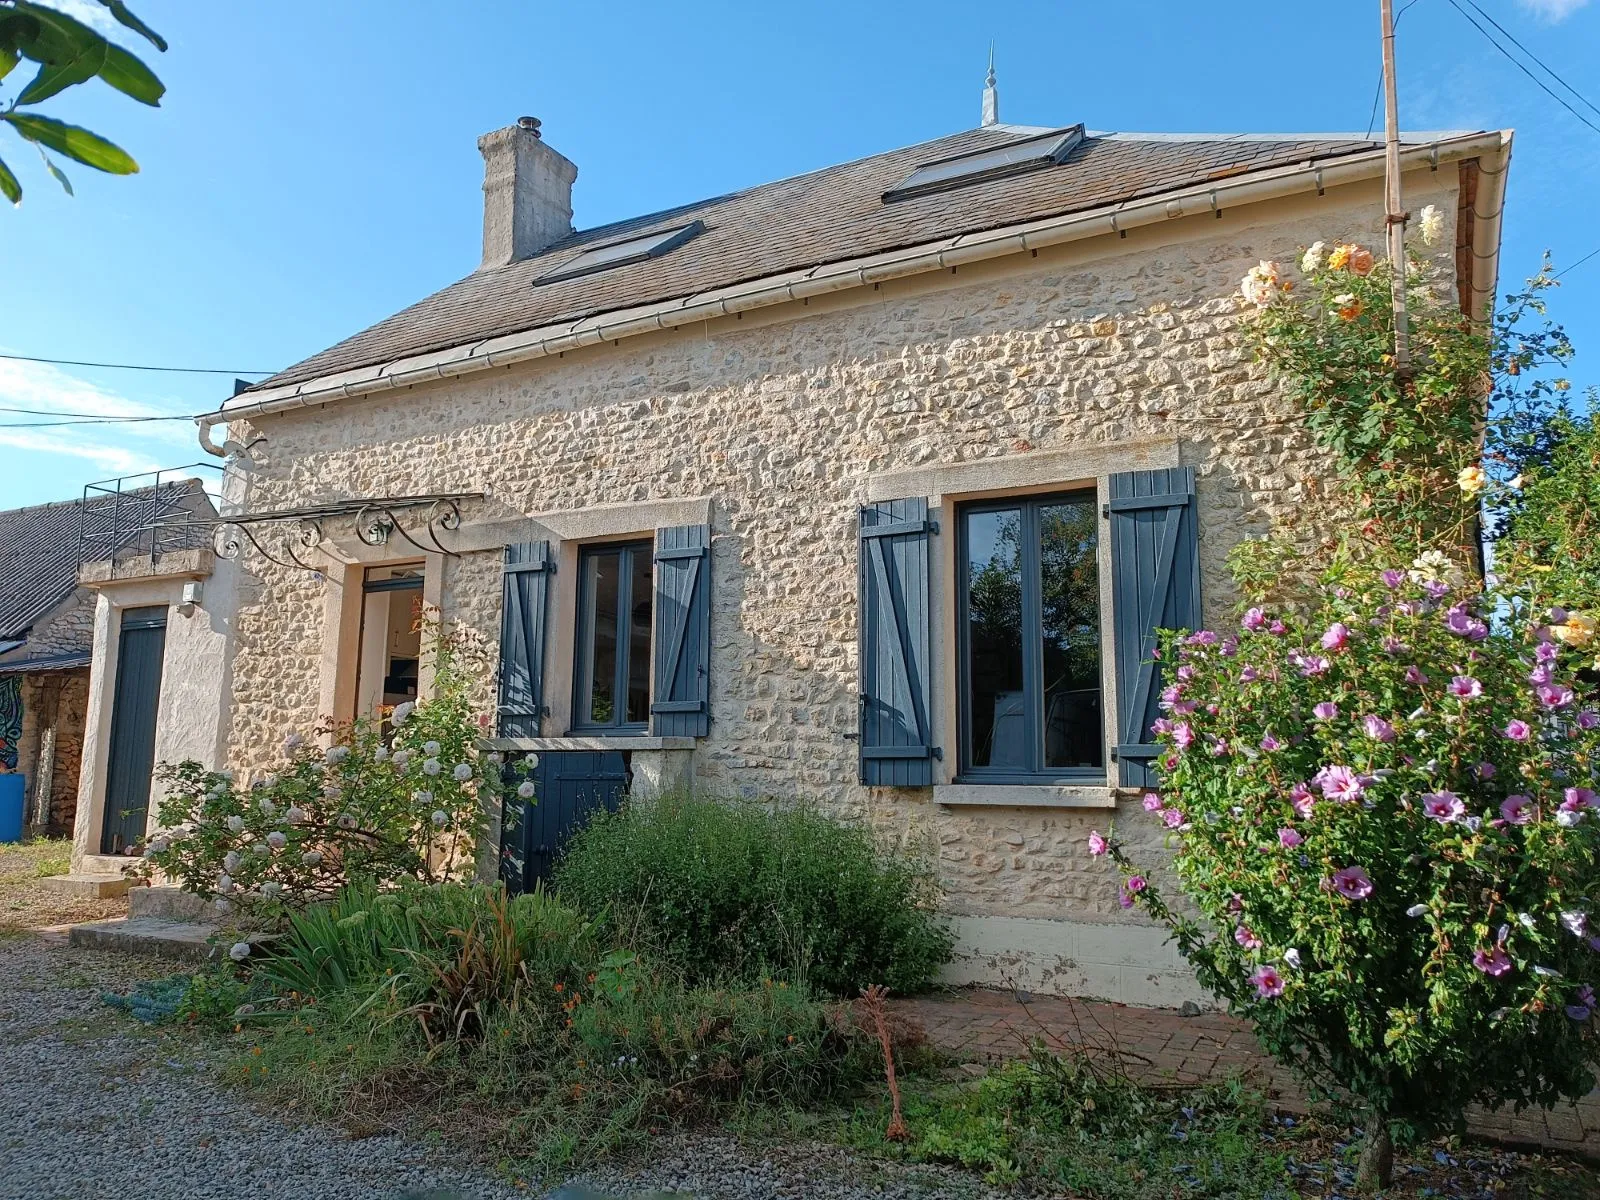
(1383, 813)
(402, 797)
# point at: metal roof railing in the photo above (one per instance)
(138, 518)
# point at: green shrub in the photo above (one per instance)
(736, 892)
(454, 1006)
(405, 797)
(1384, 811)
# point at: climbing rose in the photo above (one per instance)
(440, 818)
(236, 823)
(402, 711)
(337, 754)
(277, 840)
(1311, 260)
(1471, 480)
(311, 857)
(463, 772)
(431, 766)
(1430, 223)
(430, 748)
(525, 789)
(1260, 284)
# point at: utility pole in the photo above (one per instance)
(1395, 214)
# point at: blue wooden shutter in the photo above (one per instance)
(524, 594)
(896, 737)
(681, 705)
(1155, 568)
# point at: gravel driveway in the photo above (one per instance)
(92, 1108)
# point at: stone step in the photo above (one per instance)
(105, 864)
(169, 904)
(187, 940)
(95, 886)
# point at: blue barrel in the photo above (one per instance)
(12, 787)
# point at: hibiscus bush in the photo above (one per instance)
(1383, 815)
(405, 796)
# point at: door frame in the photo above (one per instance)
(142, 619)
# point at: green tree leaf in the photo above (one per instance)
(119, 10)
(8, 60)
(74, 141)
(9, 187)
(83, 61)
(50, 165)
(131, 77)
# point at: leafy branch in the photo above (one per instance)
(69, 53)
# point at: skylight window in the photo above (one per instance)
(618, 254)
(1031, 154)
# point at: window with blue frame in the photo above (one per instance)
(1030, 640)
(612, 676)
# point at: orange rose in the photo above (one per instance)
(1360, 260)
(1339, 257)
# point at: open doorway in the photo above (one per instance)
(388, 666)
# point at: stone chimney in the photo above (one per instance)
(527, 193)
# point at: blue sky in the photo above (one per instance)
(314, 167)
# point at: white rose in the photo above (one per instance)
(463, 772)
(295, 815)
(158, 846)
(277, 840)
(381, 754)
(260, 848)
(224, 884)
(239, 951)
(422, 796)
(337, 754)
(345, 821)
(531, 761)
(230, 861)
(236, 823)
(401, 758)
(271, 888)
(311, 857)
(525, 789)
(430, 748)
(496, 757)
(1431, 221)
(267, 807)
(402, 711)
(440, 818)
(430, 766)
(1312, 258)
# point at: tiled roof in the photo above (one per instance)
(825, 216)
(39, 548)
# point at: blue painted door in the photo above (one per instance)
(569, 787)
(136, 694)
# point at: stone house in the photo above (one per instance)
(862, 488)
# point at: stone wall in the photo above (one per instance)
(781, 420)
(66, 629)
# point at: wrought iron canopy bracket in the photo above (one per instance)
(293, 532)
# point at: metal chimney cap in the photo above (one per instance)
(531, 124)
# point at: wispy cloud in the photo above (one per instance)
(1553, 10)
(58, 460)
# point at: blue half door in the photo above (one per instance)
(132, 758)
(570, 786)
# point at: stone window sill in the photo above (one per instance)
(1021, 795)
(542, 744)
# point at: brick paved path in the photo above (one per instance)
(1162, 1043)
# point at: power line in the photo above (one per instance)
(1545, 67)
(1378, 92)
(1543, 87)
(72, 362)
(1577, 264)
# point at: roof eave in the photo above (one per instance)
(1245, 188)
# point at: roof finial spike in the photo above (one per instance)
(991, 98)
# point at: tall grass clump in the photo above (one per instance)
(737, 892)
